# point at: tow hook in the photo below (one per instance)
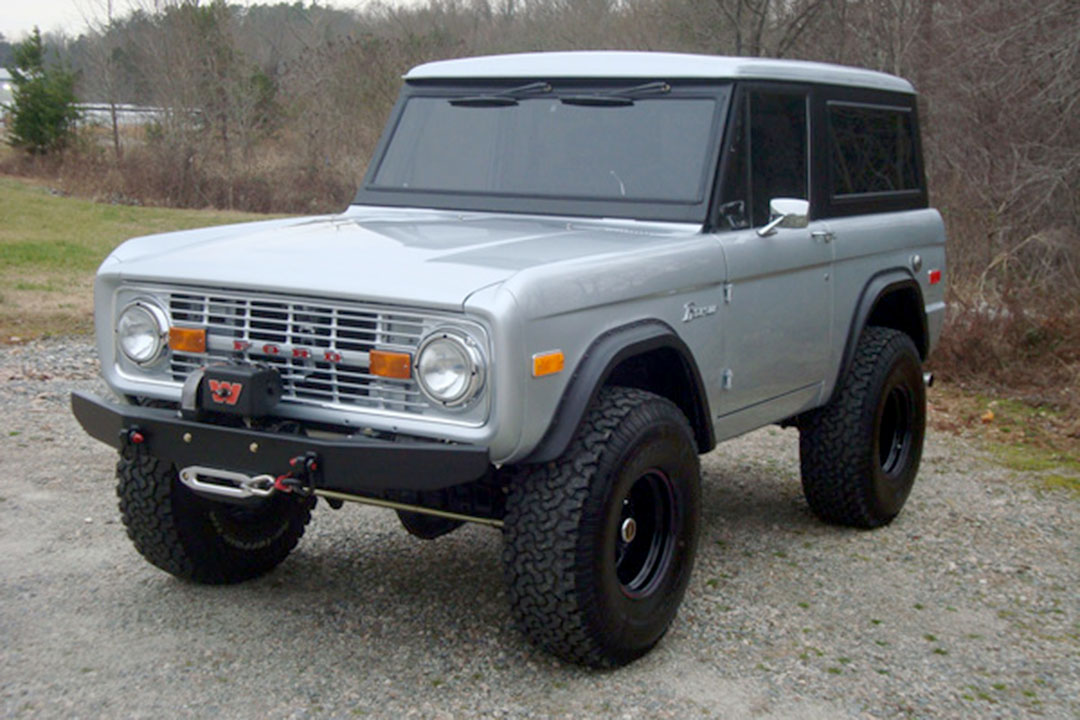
(301, 478)
(226, 483)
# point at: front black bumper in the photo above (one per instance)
(356, 465)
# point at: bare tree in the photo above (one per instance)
(103, 80)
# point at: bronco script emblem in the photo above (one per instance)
(693, 312)
(225, 393)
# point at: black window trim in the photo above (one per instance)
(874, 202)
(737, 104)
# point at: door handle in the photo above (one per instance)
(822, 236)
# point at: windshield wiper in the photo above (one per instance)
(616, 98)
(501, 99)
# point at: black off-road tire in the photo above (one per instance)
(860, 454)
(198, 539)
(577, 588)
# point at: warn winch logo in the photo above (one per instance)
(225, 393)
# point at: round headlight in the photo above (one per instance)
(141, 330)
(449, 368)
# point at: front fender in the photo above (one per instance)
(604, 355)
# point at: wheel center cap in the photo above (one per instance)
(628, 530)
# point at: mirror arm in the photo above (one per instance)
(770, 229)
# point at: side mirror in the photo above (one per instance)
(791, 213)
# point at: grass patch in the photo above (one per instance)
(50, 247)
(1040, 441)
(1062, 482)
(1048, 469)
(1031, 458)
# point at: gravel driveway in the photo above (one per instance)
(966, 606)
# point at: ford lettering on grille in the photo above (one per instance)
(321, 350)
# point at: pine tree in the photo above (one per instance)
(43, 111)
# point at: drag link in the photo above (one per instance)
(391, 505)
(242, 486)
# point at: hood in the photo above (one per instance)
(398, 256)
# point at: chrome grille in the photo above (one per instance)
(320, 349)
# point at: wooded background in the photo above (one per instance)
(277, 108)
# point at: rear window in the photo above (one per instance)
(872, 150)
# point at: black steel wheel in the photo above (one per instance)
(860, 454)
(895, 427)
(646, 537)
(599, 545)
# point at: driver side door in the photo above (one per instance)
(778, 310)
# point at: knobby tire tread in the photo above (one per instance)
(543, 517)
(834, 457)
(171, 534)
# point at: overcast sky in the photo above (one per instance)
(18, 17)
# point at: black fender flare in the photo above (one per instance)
(605, 354)
(876, 288)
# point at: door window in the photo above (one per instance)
(766, 157)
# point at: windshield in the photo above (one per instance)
(644, 150)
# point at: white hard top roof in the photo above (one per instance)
(652, 65)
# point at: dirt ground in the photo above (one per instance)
(966, 606)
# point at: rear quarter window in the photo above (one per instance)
(872, 149)
(872, 158)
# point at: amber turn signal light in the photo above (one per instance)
(548, 363)
(191, 340)
(390, 364)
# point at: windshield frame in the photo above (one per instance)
(695, 211)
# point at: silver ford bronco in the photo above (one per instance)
(564, 278)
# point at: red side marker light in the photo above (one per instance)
(935, 277)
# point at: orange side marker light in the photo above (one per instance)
(548, 363)
(189, 340)
(390, 364)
